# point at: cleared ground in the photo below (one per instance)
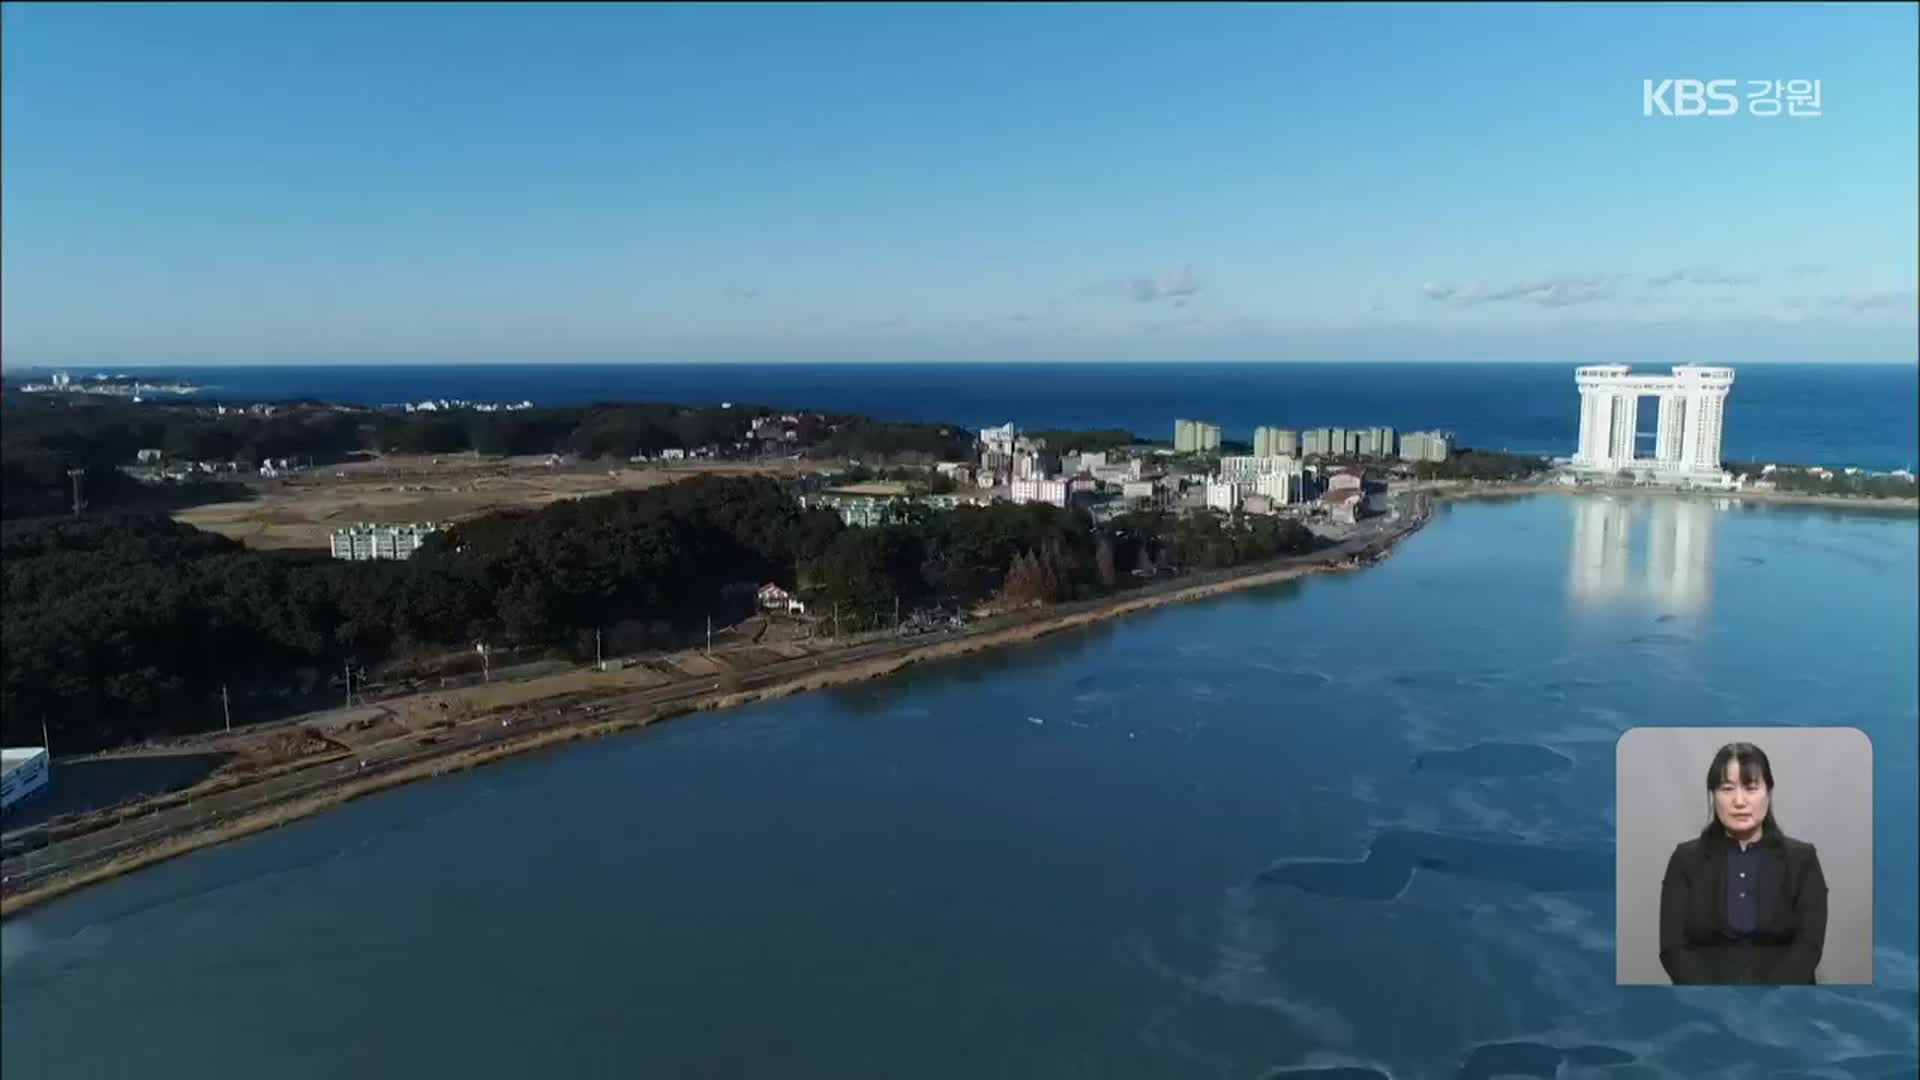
(302, 510)
(882, 488)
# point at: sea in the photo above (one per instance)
(1836, 415)
(1350, 827)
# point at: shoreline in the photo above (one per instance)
(324, 782)
(1442, 490)
(117, 858)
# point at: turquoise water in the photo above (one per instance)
(1079, 859)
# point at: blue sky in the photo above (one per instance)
(363, 183)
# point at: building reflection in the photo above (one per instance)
(1676, 570)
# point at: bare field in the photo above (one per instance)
(421, 709)
(882, 488)
(301, 511)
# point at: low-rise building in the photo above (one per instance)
(1245, 470)
(1282, 488)
(23, 771)
(772, 597)
(1347, 479)
(1344, 505)
(959, 472)
(949, 502)
(1223, 496)
(366, 542)
(1036, 489)
(856, 511)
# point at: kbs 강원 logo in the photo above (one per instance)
(1720, 97)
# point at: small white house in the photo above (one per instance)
(773, 597)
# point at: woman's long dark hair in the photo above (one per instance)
(1753, 762)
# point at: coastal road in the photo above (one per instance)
(28, 868)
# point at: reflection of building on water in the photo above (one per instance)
(1602, 547)
(1679, 551)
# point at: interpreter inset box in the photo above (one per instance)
(1743, 856)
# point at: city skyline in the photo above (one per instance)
(199, 185)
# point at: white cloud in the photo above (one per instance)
(1700, 275)
(1176, 287)
(1556, 291)
(1859, 302)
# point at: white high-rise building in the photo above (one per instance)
(1692, 402)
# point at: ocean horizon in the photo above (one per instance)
(1833, 414)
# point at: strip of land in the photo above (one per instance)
(1469, 489)
(299, 767)
(559, 709)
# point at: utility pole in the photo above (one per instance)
(349, 670)
(226, 710)
(836, 622)
(896, 613)
(709, 633)
(598, 662)
(78, 477)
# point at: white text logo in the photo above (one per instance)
(1721, 97)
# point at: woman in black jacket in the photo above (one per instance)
(1742, 902)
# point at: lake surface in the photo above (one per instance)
(1349, 827)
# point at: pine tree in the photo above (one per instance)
(1026, 582)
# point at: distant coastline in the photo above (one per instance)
(104, 385)
(1834, 414)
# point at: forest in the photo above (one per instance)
(1469, 464)
(123, 627)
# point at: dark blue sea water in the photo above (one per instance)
(1817, 414)
(1361, 825)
